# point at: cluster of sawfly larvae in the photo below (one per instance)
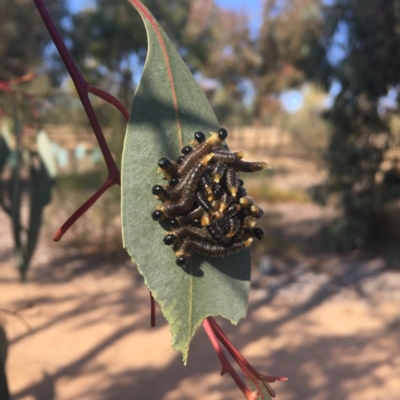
(205, 203)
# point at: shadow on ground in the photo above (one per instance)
(87, 342)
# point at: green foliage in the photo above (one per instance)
(24, 38)
(41, 170)
(308, 129)
(211, 40)
(290, 49)
(167, 109)
(363, 167)
(104, 36)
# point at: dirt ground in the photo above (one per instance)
(329, 323)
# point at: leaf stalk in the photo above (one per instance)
(215, 332)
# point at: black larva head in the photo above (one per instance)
(196, 222)
(173, 181)
(164, 163)
(157, 190)
(242, 192)
(181, 261)
(258, 233)
(169, 239)
(218, 191)
(241, 183)
(157, 215)
(180, 159)
(173, 223)
(200, 137)
(222, 133)
(186, 150)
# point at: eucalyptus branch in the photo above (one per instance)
(215, 332)
(226, 365)
(82, 209)
(110, 99)
(83, 89)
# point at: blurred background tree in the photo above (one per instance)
(341, 52)
(109, 44)
(24, 40)
(291, 51)
(362, 162)
(311, 87)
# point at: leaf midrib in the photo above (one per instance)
(154, 24)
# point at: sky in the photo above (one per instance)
(252, 8)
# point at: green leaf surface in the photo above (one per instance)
(168, 107)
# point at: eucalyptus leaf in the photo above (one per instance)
(168, 107)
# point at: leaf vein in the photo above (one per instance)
(153, 23)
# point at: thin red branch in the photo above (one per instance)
(152, 311)
(226, 365)
(81, 87)
(235, 353)
(110, 99)
(82, 209)
(242, 362)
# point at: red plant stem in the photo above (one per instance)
(82, 88)
(152, 311)
(237, 356)
(226, 366)
(82, 209)
(110, 99)
(249, 371)
(226, 342)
